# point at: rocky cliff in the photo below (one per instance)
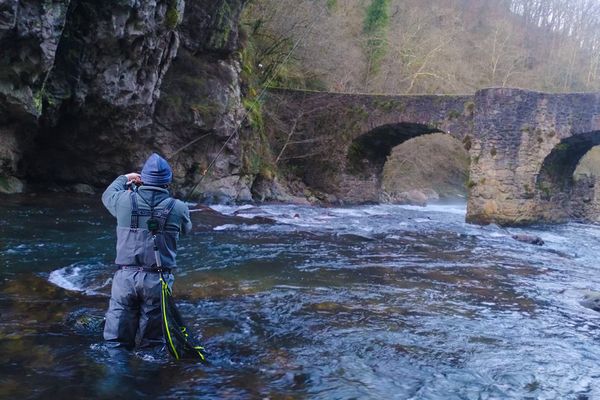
(88, 89)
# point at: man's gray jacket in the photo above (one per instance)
(134, 241)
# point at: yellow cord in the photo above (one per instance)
(165, 288)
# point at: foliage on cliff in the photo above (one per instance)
(375, 28)
(431, 46)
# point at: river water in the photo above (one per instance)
(369, 302)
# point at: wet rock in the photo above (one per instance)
(227, 190)
(431, 194)
(249, 211)
(591, 300)
(531, 239)
(11, 185)
(83, 188)
(264, 189)
(201, 103)
(205, 218)
(412, 197)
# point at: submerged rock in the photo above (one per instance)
(531, 239)
(86, 321)
(591, 300)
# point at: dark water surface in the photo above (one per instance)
(372, 302)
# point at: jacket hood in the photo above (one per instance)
(152, 195)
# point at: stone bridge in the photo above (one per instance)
(524, 146)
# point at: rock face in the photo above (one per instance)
(199, 114)
(89, 88)
(29, 35)
(92, 77)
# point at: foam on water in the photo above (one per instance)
(19, 249)
(459, 209)
(67, 278)
(79, 277)
(231, 227)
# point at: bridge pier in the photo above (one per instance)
(525, 150)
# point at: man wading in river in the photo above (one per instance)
(134, 309)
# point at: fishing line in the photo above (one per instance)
(251, 107)
(188, 145)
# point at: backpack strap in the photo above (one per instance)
(135, 211)
(164, 214)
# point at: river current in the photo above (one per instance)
(368, 302)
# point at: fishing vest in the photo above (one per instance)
(135, 246)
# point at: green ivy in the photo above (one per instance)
(255, 116)
(375, 26)
(172, 16)
(38, 101)
(377, 18)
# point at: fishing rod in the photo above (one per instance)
(249, 109)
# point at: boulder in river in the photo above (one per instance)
(591, 300)
(531, 239)
(412, 197)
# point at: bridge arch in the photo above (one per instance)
(372, 174)
(558, 189)
(368, 152)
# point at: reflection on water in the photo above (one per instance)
(336, 303)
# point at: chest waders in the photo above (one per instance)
(179, 342)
